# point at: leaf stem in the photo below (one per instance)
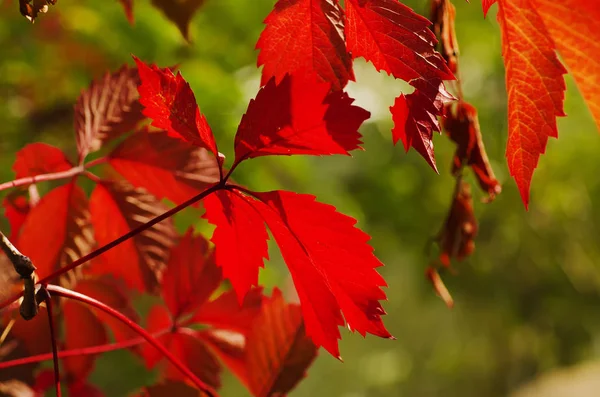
(53, 176)
(85, 351)
(49, 309)
(66, 293)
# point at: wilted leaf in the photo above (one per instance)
(443, 14)
(180, 12)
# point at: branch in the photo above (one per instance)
(25, 269)
(46, 297)
(53, 176)
(66, 293)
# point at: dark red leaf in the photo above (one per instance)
(169, 101)
(107, 109)
(395, 39)
(118, 208)
(191, 276)
(298, 116)
(240, 239)
(179, 12)
(462, 125)
(305, 35)
(415, 119)
(16, 208)
(165, 166)
(278, 352)
(58, 231)
(128, 7)
(40, 158)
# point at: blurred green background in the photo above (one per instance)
(527, 301)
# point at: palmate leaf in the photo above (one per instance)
(116, 209)
(305, 35)
(40, 158)
(107, 109)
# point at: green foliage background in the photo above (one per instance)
(527, 301)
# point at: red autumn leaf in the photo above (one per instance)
(456, 239)
(28, 333)
(462, 126)
(118, 208)
(40, 158)
(179, 12)
(191, 278)
(169, 101)
(58, 231)
(486, 4)
(395, 39)
(107, 109)
(128, 7)
(242, 253)
(535, 88)
(165, 166)
(305, 35)
(278, 351)
(572, 25)
(298, 116)
(415, 119)
(314, 240)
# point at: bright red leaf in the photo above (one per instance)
(107, 109)
(315, 241)
(298, 116)
(169, 101)
(118, 208)
(395, 39)
(535, 88)
(165, 166)
(40, 158)
(278, 351)
(486, 4)
(58, 231)
(305, 35)
(240, 255)
(415, 118)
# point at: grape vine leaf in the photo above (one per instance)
(107, 109)
(116, 208)
(305, 35)
(40, 158)
(167, 167)
(278, 351)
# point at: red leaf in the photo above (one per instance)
(164, 166)
(535, 88)
(315, 241)
(128, 7)
(297, 116)
(395, 39)
(40, 158)
(443, 14)
(170, 389)
(16, 208)
(486, 4)
(415, 119)
(191, 276)
(462, 126)
(118, 208)
(58, 231)
(278, 351)
(305, 35)
(572, 25)
(107, 109)
(240, 239)
(184, 344)
(169, 101)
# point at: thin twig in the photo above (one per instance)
(53, 176)
(66, 293)
(46, 297)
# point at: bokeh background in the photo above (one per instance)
(528, 299)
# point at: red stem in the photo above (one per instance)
(98, 161)
(30, 180)
(80, 352)
(66, 293)
(54, 347)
